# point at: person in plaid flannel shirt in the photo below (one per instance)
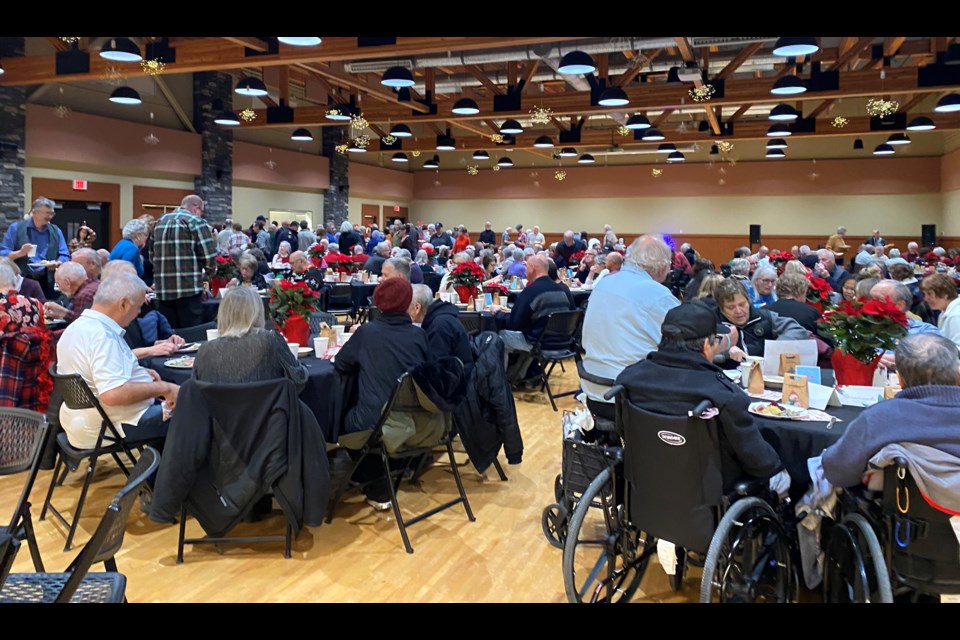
(184, 247)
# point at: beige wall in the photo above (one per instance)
(894, 214)
(249, 202)
(951, 214)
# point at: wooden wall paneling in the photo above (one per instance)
(96, 192)
(156, 196)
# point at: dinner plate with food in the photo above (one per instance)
(776, 410)
(183, 362)
(189, 347)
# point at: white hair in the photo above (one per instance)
(134, 228)
(651, 253)
(240, 311)
(73, 271)
(8, 277)
(346, 226)
(189, 200)
(422, 294)
(117, 287)
(43, 202)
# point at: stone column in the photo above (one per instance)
(336, 199)
(13, 133)
(215, 183)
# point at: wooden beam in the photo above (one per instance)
(251, 43)
(559, 125)
(661, 118)
(686, 51)
(892, 45)
(603, 65)
(285, 84)
(823, 106)
(851, 54)
(58, 44)
(633, 69)
(493, 127)
(430, 80)
(738, 60)
(177, 109)
(469, 126)
(739, 112)
(478, 73)
(335, 72)
(512, 73)
(914, 101)
(377, 130)
(528, 72)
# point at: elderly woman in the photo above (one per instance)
(348, 238)
(940, 292)
(245, 351)
(134, 238)
(764, 279)
(755, 325)
(376, 237)
(249, 275)
(707, 287)
(26, 286)
(283, 254)
(424, 261)
(17, 311)
(792, 301)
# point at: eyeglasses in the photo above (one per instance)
(768, 280)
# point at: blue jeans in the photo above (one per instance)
(151, 426)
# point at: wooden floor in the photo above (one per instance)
(502, 557)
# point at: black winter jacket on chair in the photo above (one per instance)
(487, 419)
(230, 444)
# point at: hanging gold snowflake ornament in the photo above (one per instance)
(880, 107)
(496, 167)
(623, 131)
(702, 93)
(113, 76)
(539, 115)
(341, 148)
(496, 138)
(839, 122)
(415, 153)
(473, 169)
(388, 139)
(560, 175)
(656, 173)
(152, 67)
(358, 123)
(248, 115)
(69, 39)
(333, 112)
(361, 141)
(725, 146)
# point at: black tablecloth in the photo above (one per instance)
(322, 392)
(578, 294)
(360, 293)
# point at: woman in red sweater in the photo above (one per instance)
(462, 241)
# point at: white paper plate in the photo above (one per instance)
(733, 374)
(774, 382)
(304, 351)
(790, 413)
(183, 362)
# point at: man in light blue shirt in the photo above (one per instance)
(901, 296)
(37, 245)
(623, 319)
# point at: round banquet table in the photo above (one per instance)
(579, 295)
(322, 392)
(360, 293)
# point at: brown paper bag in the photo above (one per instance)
(795, 393)
(326, 331)
(755, 380)
(496, 298)
(788, 362)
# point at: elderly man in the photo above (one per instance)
(183, 247)
(913, 252)
(535, 238)
(875, 239)
(305, 237)
(623, 319)
(827, 269)
(762, 254)
(374, 264)
(302, 271)
(223, 237)
(89, 259)
(680, 373)
(925, 413)
(837, 243)
(36, 245)
(612, 263)
(487, 237)
(567, 248)
(414, 272)
(441, 322)
(523, 325)
(93, 347)
(900, 295)
(76, 284)
(440, 237)
(586, 265)
(395, 268)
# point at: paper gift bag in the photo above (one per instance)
(788, 363)
(326, 331)
(755, 379)
(795, 393)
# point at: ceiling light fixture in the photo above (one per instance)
(884, 150)
(302, 135)
(505, 162)
(356, 148)
(948, 103)
(652, 135)
(613, 97)
(251, 87)
(340, 112)
(401, 131)
(446, 143)
(784, 113)
(568, 152)
(399, 157)
(637, 121)
(543, 142)
(667, 147)
(776, 154)
(676, 156)
(481, 155)
(576, 63)
(921, 123)
(397, 77)
(788, 86)
(898, 138)
(714, 150)
(125, 95)
(432, 163)
(794, 47)
(777, 143)
(779, 130)
(511, 127)
(121, 50)
(2, 71)
(301, 42)
(466, 107)
(585, 159)
(857, 144)
(227, 119)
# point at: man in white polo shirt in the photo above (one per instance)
(93, 346)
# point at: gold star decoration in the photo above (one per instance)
(361, 141)
(496, 138)
(881, 107)
(152, 67)
(623, 131)
(539, 115)
(839, 122)
(415, 153)
(388, 139)
(560, 175)
(473, 169)
(358, 123)
(341, 148)
(702, 93)
(656, 173)
(725, 146)
(248, 115)
(496, 167)
(69, 39)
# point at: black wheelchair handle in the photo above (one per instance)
(609, 395)
(700, 408)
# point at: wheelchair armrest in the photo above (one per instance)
(613, 391)
(700, 408)
(749, 487)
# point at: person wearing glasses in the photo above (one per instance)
(764, 279)
(184, 246)
(36, 245)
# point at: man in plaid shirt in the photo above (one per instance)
(184, 246)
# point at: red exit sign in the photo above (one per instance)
(396, 208)
(79, 185)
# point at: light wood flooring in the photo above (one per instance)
(502, 557)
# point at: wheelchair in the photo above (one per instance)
(751, 555)
(890, 544)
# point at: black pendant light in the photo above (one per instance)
(400, 157)
(301, 42)
(481, 155)
(921, 123)
(783, 113)
(777, 143)
(795, 47)
(121, 50)
(397, 77)
(505, 162)
(511, 127)
(465, 107)
(676, 156)
(401, 131)
(302, 135)
(788, 86)
(585, 159)
(637, 121)
(652, 135)
(576, 63)
(125, 95)
(543, 142)
(613, 97)
(251, 87)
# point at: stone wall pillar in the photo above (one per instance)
(215, 183)
(336, 199)
(13, 134)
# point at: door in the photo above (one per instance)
(72, 214)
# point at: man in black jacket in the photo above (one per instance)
(487, 237)
(681, 373)
(440, 320)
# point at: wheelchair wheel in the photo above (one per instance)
(558, 488)
(749, 557)
(854, 568)
(553, 521)
(602, 559)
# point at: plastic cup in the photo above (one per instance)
(320, 346)
(212, 334)
(294, 348)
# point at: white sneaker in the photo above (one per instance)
(380, 506)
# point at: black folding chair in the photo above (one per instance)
(197, 333)
(339, 299)
(319, 317)
(23, 435)
(406, 398)
(76, 584)
(561, 328)
(472, 321)
(77, 395)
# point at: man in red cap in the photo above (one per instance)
(378, 353)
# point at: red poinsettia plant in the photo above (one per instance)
(818, 293)
(468, 274)
(495, 287)
(865, 327)
(315, 253)
(779, 260)
(290, 299)
(226, 268)
(576, 258)
(931, 258)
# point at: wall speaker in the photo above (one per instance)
(754, 234)
(928, 235)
